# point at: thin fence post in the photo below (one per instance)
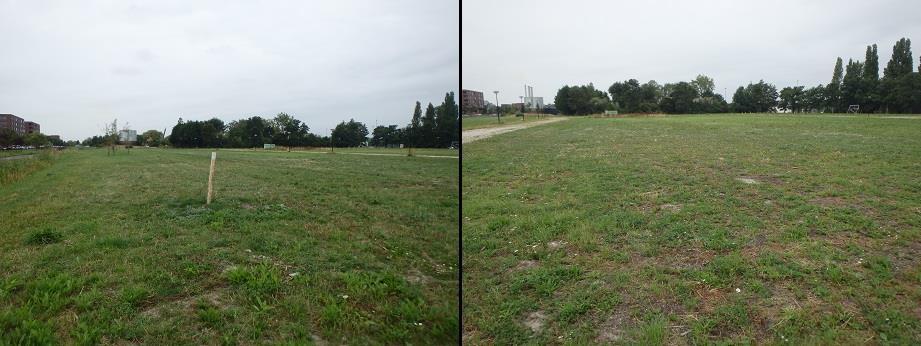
(211, 177)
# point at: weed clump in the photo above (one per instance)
(44, 236)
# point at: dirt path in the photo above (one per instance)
(478, 134)
(17, 157)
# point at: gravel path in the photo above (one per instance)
(17, 157)
(478, 134)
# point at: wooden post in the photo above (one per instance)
(211, 176)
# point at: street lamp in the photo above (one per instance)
(497, 106)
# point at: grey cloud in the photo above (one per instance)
(78, 65)
(551, 43)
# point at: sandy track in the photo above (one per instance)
(478, 134)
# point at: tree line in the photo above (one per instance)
(437, 128)
(9, 138)
(857, 83)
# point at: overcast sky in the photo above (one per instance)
(547, 44)
(72, 66)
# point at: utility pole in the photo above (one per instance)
(498, 119)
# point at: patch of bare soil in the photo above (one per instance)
(828, 202)
(186, 304)
(709, 298)
(612, 330)
(556, 244)
(758, 179)
(416, 277)
(536, 321)
(673, 208)
(526, 264)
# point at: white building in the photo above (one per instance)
(534, 102)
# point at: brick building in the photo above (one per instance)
(9, 121)
(32, 127)
(472, 102)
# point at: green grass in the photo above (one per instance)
(364, 150)
(484, 121)
(16, 169)
(8, 153)
(296, 247)
(641, 230)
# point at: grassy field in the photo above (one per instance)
(484, 121)
(296, 247)
(8, 153)
(695, 230)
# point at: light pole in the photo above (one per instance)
(331, 140)
(497, 106)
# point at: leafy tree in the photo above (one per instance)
(384, 136)
(897, 83)
(792, 98)
(764, 96)
(151, 138)
(905, 94)
(581, 100)
(111, 136)
(427, 135)
(833, 90)
(755, 98)
(680, 100)
(741, 101)
(852, 90)
(651, 95)
(446, 121)
(9, 138)
(870, 81)
(626, 96)
(289, 131)
(36, 140)
(704, 85)
(814, 99)
(252, 132)
(349, 134)
(414, 130)
(901, 62)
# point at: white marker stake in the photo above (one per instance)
(211, 176)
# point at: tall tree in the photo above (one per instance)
(833, 90)
(897, 82)
(446, 118)
(901, 61)
(852, 84)
(427, 131)
(870, 80)
(415, 126)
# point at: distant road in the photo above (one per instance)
(477, 134)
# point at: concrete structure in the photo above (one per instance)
(12, 122)
(32, 127)
(472, 102)
(534, 103)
